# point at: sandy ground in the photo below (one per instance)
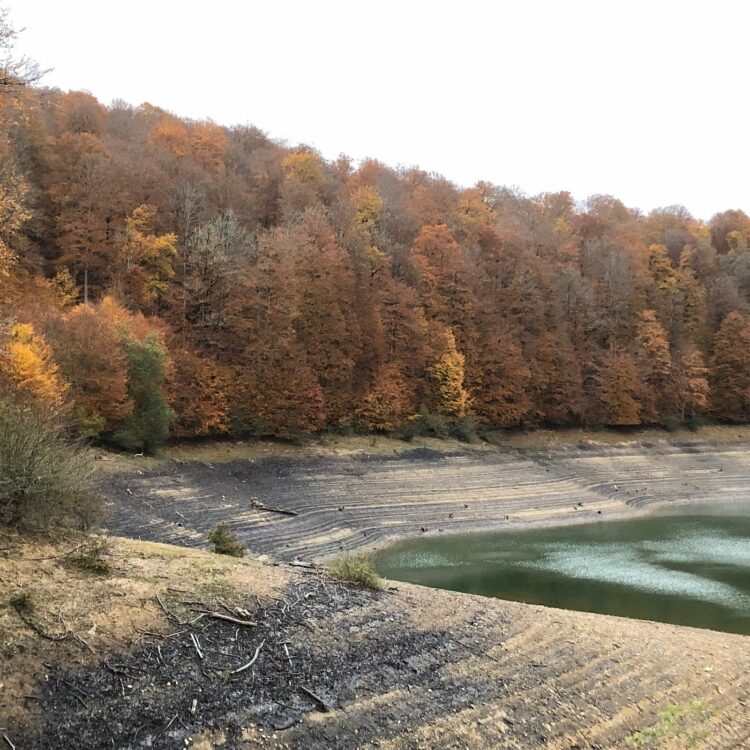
(351, 494)
(406, 667)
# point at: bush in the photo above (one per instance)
(90, 559)
(671, 423)
(356, 569)
(464, 430)
(44, 480)
(429, 424)
(425, 424)
(225, 542)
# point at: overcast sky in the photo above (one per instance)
(647, 101)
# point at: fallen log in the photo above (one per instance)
(258, 505)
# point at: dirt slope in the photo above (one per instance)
(405, 668)
(356, 500)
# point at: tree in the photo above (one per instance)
(15, 70)
(215, 252)
(146, 258)
(147, 426)
(386, 404)
(730, 373)
(88, 346)
(618, 390)
(446, 394)
(692, 389)
(555, 383)
(29, 369)
(197, 393)
(324, 322)
(654, 368)
(499, 379)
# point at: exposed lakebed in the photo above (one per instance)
(691, 568)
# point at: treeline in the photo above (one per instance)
(159, 274)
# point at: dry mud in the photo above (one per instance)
(358, 501)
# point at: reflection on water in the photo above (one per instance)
(689, 570)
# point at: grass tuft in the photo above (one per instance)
(356, 569)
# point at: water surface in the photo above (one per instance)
(684, 569)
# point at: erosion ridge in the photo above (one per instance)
(360, 500)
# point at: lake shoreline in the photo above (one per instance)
(339, 502)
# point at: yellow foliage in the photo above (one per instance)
(65, 288)
(302, 166)
(368, 203)
(447, 393)
(30, 367)
(148, 256)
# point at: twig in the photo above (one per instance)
(286, 651)
(323, 705)
(84, 642)
(10, 744)
(227, 618)
(251, 662)
(167, 612)
(197, 645)
(53, 557)
(171, 721)
(42, 633)
(75, 695)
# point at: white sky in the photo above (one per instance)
(647, 101)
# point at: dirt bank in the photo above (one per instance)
(337, 667)
(341, 498)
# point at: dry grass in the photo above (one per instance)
(217, 452)
(39, 581)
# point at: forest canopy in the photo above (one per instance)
(160, 275)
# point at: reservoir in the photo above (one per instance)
(691, 568)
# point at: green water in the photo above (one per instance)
(683, 569)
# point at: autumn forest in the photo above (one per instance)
(160, 276)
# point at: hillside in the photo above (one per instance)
(160, 276)
(403, 668)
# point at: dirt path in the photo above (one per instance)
(347, 502)
(341, 668)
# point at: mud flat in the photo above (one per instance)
(343, 501)
(337, 667)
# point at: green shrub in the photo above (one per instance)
(147, 427)
(356, 569)
(425, 424)
(44, 479)
(90, 559)
(671, 423)
(464, 429)
(225, 542)
(696, 421)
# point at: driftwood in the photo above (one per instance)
(258, 505)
